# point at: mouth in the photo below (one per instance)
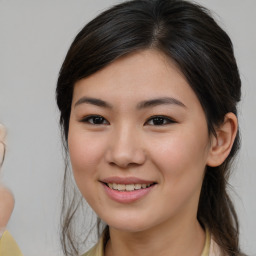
(128, 187)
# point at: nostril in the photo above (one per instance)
(124, 166)
(124, 154)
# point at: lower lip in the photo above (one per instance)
(127, 196)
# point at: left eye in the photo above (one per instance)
(95, 120)
(159, 120)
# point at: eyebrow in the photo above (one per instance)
(159, 101)
(93, 101)
(141, 105)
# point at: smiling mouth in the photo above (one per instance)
(128, 187)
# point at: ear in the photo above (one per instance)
(222, 143)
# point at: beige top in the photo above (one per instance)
(210, 247)
(8, 246)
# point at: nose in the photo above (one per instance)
(125, 148)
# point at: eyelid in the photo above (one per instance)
(105, 121)
(169, 120)
(86, 119)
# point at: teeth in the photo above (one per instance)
(121, 187)
(128, 187)
(138, 186)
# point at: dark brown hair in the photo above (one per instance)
(187, 34)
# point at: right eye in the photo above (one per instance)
(95, 120)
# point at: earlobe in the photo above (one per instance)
(222, 143)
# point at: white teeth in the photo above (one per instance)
(127, 187)
(138, 186)
(121, 187)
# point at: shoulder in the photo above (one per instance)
(211, 248)
(91, 252)
(214, 249)
(96, 250)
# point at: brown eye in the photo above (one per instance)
(159, 120)
(95, 120)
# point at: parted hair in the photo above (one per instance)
(187, 34)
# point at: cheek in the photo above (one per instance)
(181, 157)
(181, 161)
(86, 152)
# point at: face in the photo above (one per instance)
(138, 142)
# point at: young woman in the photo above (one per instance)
(147, 96)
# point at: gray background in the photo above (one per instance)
(34, 38)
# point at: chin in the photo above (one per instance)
(131, 225)
(129, 228)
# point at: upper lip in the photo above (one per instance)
(126, 180)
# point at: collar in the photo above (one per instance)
(98, 249)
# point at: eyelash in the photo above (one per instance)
(164, 119)
(87, 119)
(167, 120)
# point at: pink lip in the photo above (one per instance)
(126, 196)
(126, 180)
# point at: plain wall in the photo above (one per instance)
(34, 38)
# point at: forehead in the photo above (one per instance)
(142, 74)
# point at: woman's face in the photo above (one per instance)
(138, 142)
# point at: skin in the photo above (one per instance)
(6, 197)
(6, 207)
(128, 142)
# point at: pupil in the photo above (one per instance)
(158, 121)
(98, 120)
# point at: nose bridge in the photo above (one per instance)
(125, 146)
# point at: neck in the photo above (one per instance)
(169, 239)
